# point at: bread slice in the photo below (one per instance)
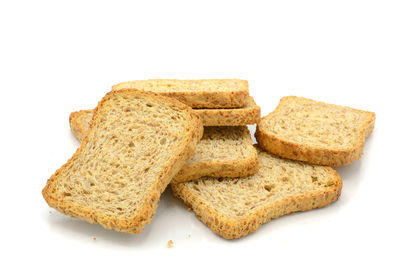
(210, 117)
(234, 208)
(222, 152)
(315, 132)
(218, 93)
(136, 144)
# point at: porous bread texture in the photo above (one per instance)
(315, 132)
(234, 207)
(210, 117)
(210, 93)
(79, 122)
(222, 151)
(136, 144)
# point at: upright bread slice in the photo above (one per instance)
(222, 152)
(136, 144)
(219, 93)
(234, 208)
(315, 132)
(210, 117)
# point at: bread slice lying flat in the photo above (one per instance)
(218, 93)
(210, 117)
(222, 152)
(136, 144)
(234, 208)
(315, 132)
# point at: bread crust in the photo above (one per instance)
(217, 169)
(249, 114)
(190, 171)
(230, 228)
(205, 98)
(143, 216)
(313, 154)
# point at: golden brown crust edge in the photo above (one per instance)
(144, 216)
(310, 154)
(203, 99)
(230, 228)
(250, 114)
(218, 169)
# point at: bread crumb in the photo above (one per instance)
(50, 212)
(170, 244)
(94, 238)
(189, 236)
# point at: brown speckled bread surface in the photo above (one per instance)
(222, 151)
(234, 208)
(136, 144)
(315, 132)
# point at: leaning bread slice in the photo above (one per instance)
(217, 93)
(315, 132)
(234, 208)
(250, 114)
(136, 144)
(222, 152)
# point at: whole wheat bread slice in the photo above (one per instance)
(315, 132)
(234, 208)
(136, 144)
(250, 114)
(217, 93)
(222, 152)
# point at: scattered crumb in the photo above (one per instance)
(170, 244)
(189, 236)
(50, 212)
(94, 238)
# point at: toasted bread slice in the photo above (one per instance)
(222, 152)
(217, 93)
(234, 208)
(210, 117)
(315, 132)
(136, 144)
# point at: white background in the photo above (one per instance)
(57, 57)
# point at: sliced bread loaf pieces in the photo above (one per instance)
(213, 93)
(250, 114)
(222, 152)
(234, 208)
(315, 132)
(136, 144)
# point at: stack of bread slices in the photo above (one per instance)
(192, 134)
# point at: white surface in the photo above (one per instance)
(56, 58)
